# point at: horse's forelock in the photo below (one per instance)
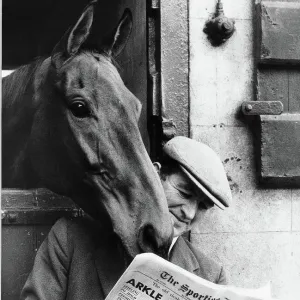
(98, 55)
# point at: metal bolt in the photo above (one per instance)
(3, 214)
(227, 25)
(248, 107)
(12, 217)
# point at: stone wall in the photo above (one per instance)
(258, 237)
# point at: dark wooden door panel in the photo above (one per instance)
(278, 79)
(27, 216)
(19, 246)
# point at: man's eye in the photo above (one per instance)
(185, 195)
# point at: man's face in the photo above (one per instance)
(183, 200)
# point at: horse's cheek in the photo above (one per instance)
(44, 147)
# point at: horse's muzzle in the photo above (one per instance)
(149, 240)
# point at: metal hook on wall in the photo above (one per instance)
(220, 28)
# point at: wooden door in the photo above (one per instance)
(278, 77)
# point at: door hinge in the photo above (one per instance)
(257, 108)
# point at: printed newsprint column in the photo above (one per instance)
(150, 277)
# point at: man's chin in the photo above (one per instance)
(177, 232)
(180, 231)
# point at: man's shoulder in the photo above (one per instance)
(209, 268)
(76, 225)
(202, 257)
(78, 231)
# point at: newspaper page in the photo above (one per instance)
(149, 277)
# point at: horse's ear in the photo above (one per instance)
(74, 37)
(121, 34)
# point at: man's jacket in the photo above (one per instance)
(80, 260)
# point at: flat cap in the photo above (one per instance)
(203, 166)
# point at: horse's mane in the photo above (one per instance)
(19, 83)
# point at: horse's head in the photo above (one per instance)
(86, 142)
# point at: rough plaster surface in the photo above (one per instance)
(296, 211)
(251, 261)
(258, 237)
(242, 9)
(174, 62)
(232, 144)
(221, 73)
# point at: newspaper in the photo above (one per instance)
(149, 277)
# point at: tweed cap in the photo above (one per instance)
(203, 166)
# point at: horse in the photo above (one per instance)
(70, 125)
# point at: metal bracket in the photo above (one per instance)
(257, 108)
(155, 4)
(154, 80)
(169, 129)
(220, 28)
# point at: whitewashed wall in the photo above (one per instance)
(258, 237)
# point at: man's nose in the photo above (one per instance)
(189, 210)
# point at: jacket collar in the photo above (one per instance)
(182, 256)
(111, 264)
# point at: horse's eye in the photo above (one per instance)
(80, 109)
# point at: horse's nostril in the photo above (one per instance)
(147, 238)
(150, 241)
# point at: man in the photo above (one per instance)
(81, 260)
(193, 178)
